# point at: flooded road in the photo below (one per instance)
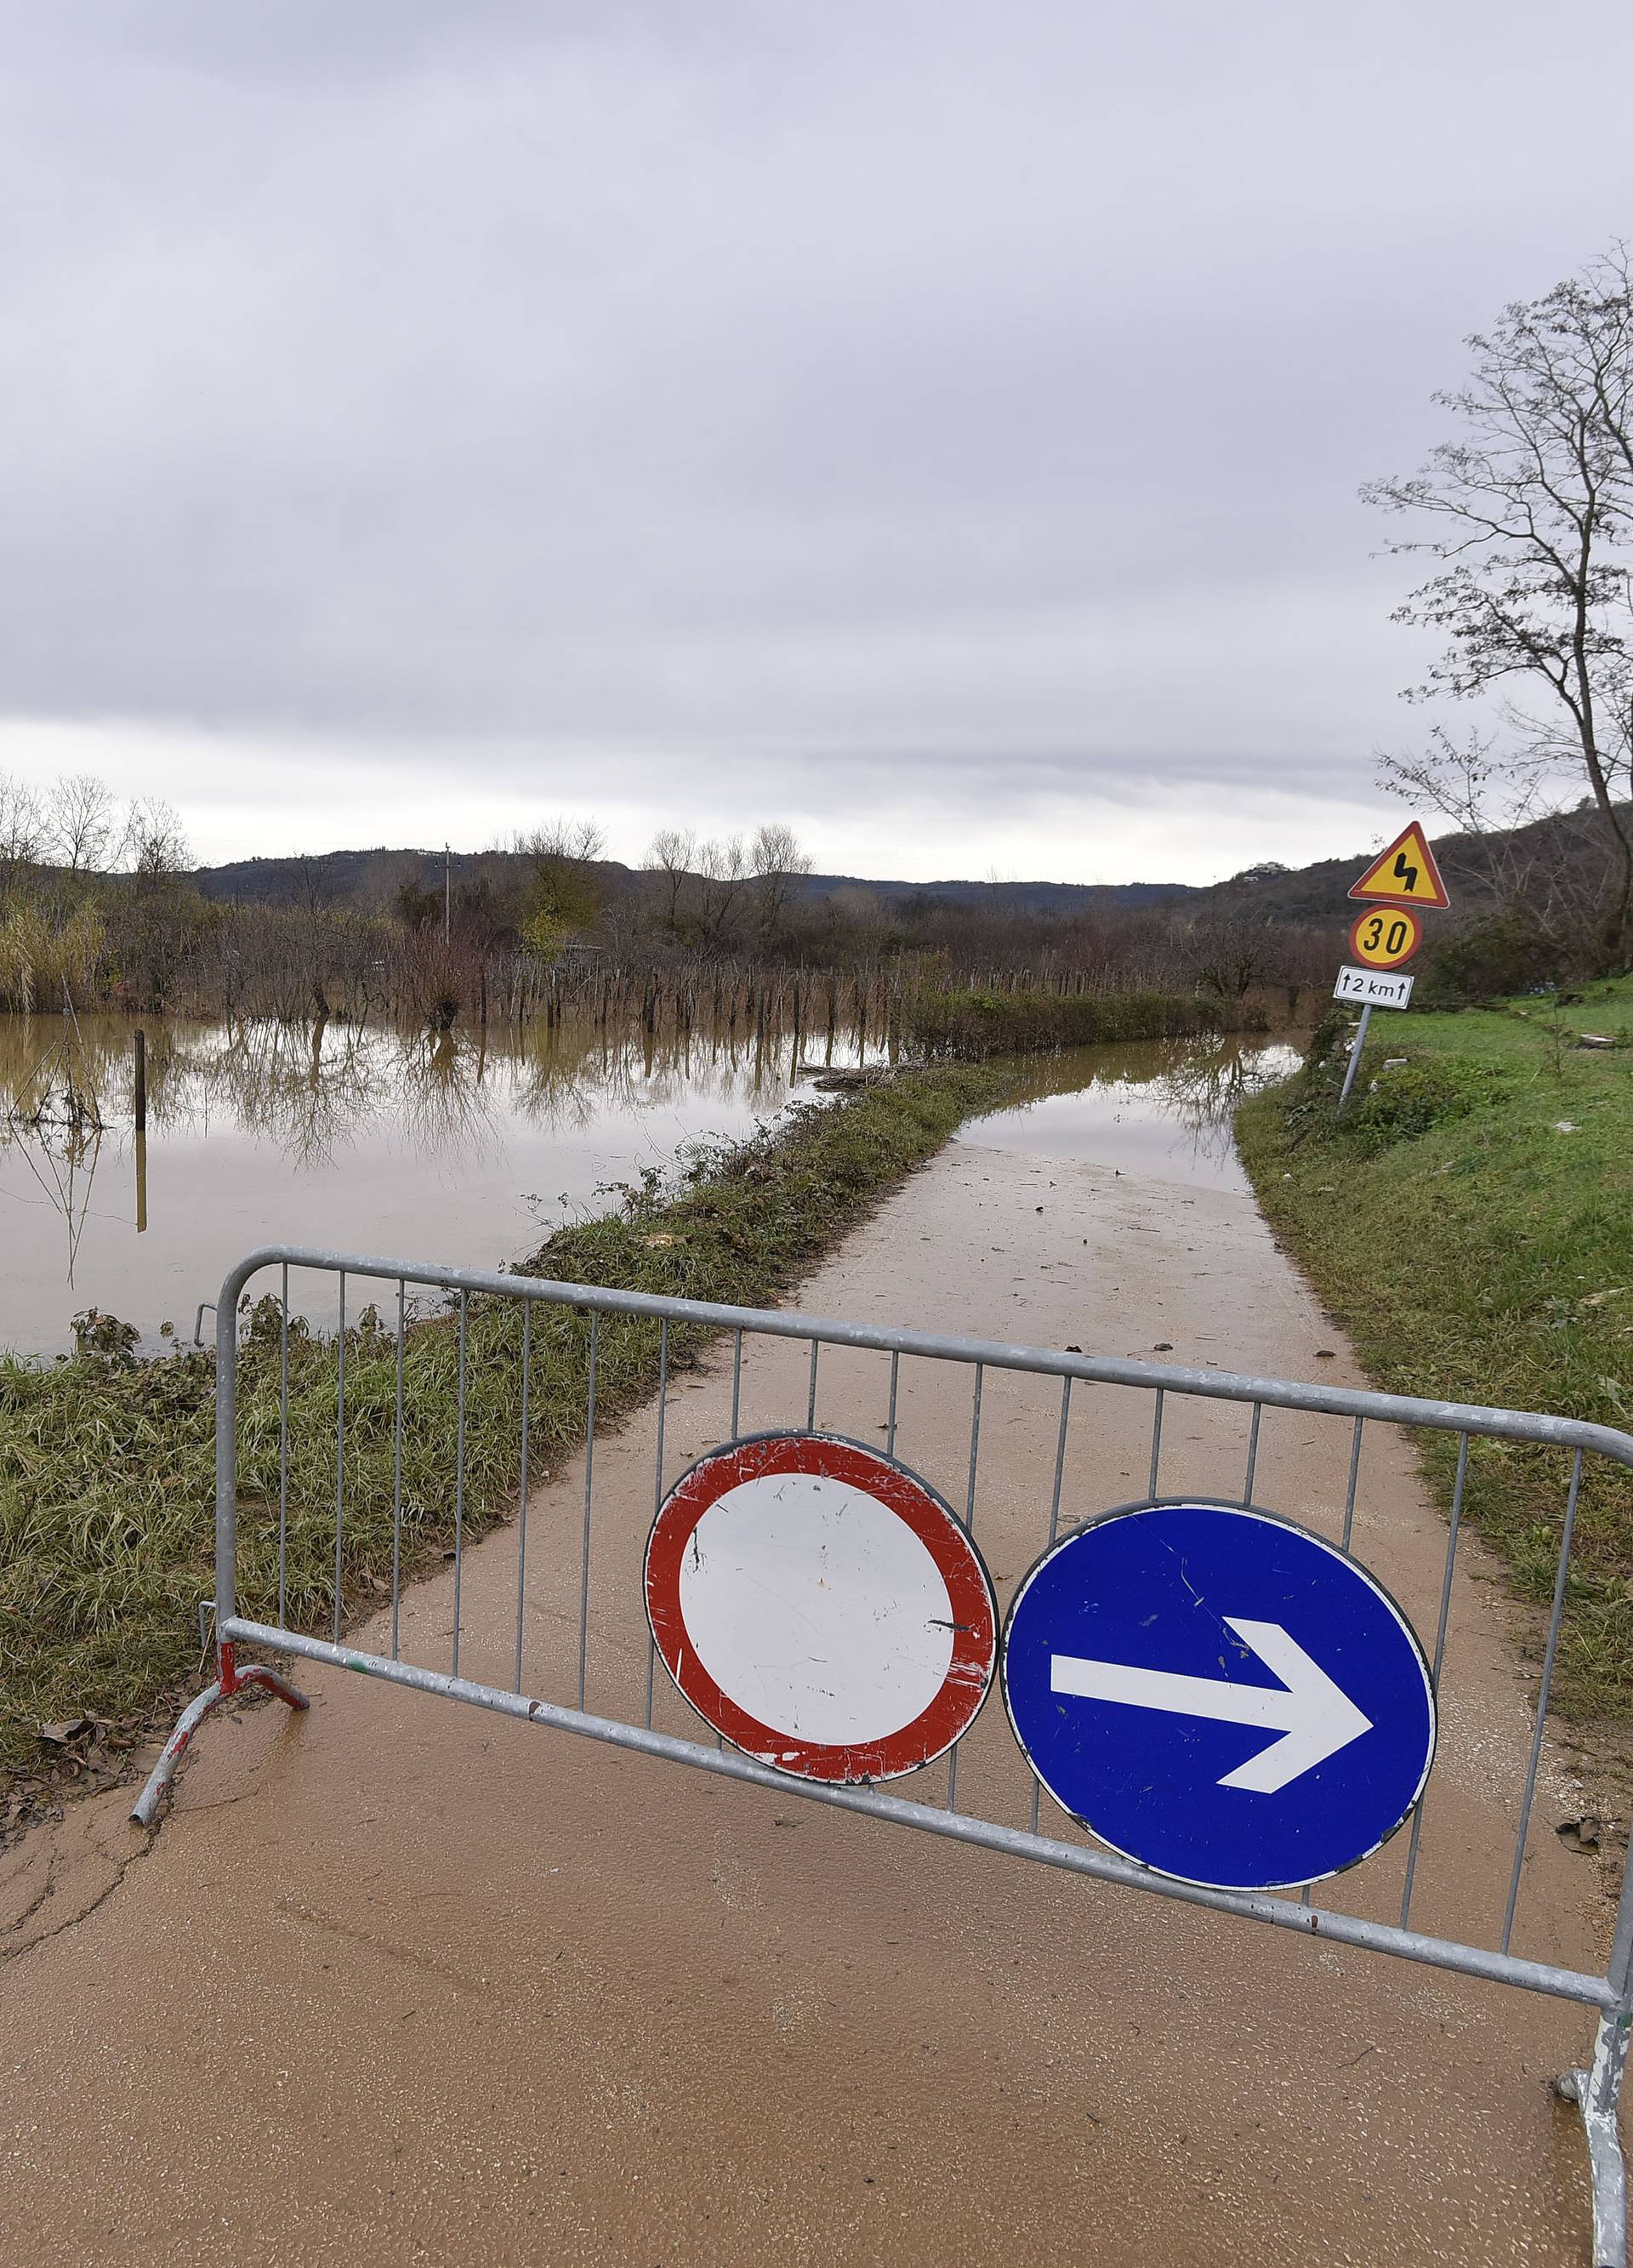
(515, 1999)
(1161, 1108)
(449, 1146)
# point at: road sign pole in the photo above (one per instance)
(1355, 1054)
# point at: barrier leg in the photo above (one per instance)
(1596, 2093)
(230, 1679)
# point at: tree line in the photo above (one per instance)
(100, 906)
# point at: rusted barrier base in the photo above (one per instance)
(230, 1679)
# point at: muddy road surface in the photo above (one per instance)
(400, 1981)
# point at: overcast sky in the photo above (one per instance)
(933, 423)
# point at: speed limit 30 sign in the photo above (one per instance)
(1385, 938)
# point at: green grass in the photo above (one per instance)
(1478, 1251)
(972, 1027)
(106, 1466)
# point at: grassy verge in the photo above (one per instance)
(971, 1027)
(106, 1465)
(1469, 1218)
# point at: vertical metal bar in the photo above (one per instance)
(811, 1396)
(340, 1453)
(1253, 1452)
(1598, 2091)
(890, 1428)
(226, 1462)
(284, 1456)
(1445, 1604)
(974, 1447)
(969, 1523)
(1619, 1970)
(658, 1490)
(1156, 1444)
(521, 1513)
(737, 1379)
(396, 1479)
(1555, 1619)
(1355, 1468)
(589, 1492)
(1060, 1472)
(459, 1489)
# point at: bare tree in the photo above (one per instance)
(1531, 510)
(669, 862)
(1495, 794)
(699, 887)
(22, 831)
(155, 847)
(778, 865)
(81, 815)
(722, 879)
(1227, 955)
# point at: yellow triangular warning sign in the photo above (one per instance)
(1405, 874)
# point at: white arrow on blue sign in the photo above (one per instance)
(1220, 1694)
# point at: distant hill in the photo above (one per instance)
(1312, 897)
(1317, 894)
(1018, 897)
(372, 878)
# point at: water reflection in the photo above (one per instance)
(1161, 1107)
(427, 1143)
(330, 1133)
(51, 1123)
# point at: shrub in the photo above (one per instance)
(1498, 956)
(974, 1026)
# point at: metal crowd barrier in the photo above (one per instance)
(1595, 2088)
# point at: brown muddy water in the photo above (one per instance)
(1158, 1109)
(455, 1147)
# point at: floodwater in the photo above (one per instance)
(453, 1147)
(448, 1146)
(1159, 1108)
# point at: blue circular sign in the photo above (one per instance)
(1220, 1694)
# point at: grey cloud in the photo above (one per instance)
(911, 392)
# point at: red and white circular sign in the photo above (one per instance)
(820, 1606)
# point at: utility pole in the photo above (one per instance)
(447, 894)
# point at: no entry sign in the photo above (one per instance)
(821, 1607)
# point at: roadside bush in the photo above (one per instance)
(973, 1026)
(1490, 960)
(1384, 1107)
(1399, 1105)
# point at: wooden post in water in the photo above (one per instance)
(141, 1095)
